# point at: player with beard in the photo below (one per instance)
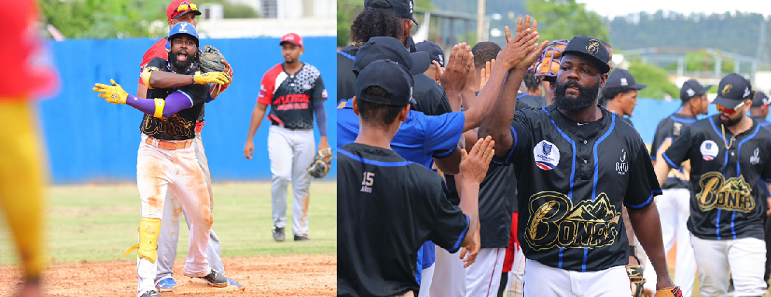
(570, 199)
(730, 163)
(166, 160)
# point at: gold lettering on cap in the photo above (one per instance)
(593, 47)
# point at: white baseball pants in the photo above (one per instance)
(291, 153)
(674, 209)
(169, 237)
(158, 171)
(545, 281)
(745, 258)
(426, 279)
(449, 274)
(484, 276)
(516, 275)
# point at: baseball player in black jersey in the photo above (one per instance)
(388, 207)
(729, 155)
(570, 200)
(673, 205)
(620, 93)
(759, 112)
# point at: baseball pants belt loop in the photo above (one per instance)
(169, 145)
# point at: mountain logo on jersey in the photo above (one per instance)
(733, 194)
(554, 222)
(709, 150)
(546, 155)
(755, 159)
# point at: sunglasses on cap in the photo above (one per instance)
(729, 111)
(186, 7)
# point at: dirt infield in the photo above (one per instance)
(285, 275)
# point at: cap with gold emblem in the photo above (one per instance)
(589, 47)
(732, 90)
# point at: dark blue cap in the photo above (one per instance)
(389, 75)
(591, 48)
(382, 48)
(435, 53)
(732, 90)
(692, 88)
(622, 78)
(184, 28)
(403, 8)
(760, 99)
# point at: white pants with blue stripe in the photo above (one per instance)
(744, 257)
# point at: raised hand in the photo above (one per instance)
(455, 75)
(485, 73)
(113, 93)
(474, 165)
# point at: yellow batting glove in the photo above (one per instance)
(112, 93)
(221, 78)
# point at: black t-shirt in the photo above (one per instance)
(387, 208)
(181, 125)
(570, 198)
(726, 200)
(430, 97)
(668, 130)
(291, 96)
(530, 101)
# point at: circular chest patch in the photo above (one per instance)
(546, 155)
(709, 150)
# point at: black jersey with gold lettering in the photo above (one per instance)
(726, 175)
(667, 131)
(571, 186)
(387, 208)
(181, 125)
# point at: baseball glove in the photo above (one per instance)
(635, 273)
(669, 292)
(211, 60)
(319, 168)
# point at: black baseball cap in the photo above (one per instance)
(393, 77)
(760, 99)
(622, 78)
(435, 53)
(589, 47)
(732, 90)
(692, 88)
(403, 8)
(385, 47)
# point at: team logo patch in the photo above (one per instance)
(755, 159)
(622, 166)
(624, 82)
(726, 90)
(546, 155)
(690, 92)
(709, 150)
(324, 93)
(593, 47)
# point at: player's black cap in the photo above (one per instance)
(389, 75)
(760, 99)
(622, 78)
(403, 8)
(435, 53)
(589, 47)
(692, 88)
(732, 90)
(384, 47)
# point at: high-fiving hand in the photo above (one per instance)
(113, 93)
(521, 51)
(454, 77)
(474, 165)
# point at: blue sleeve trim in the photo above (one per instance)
(653, 158)
(373, 162)
(444, 154)
(664, 155)
(511, 151)
(346, 55)
(646, 203)
(462, 235)
(766, 180)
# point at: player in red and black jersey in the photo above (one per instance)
(295, 93)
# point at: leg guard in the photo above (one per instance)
(149, 229)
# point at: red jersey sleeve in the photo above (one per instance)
(22, 50)
(268, 85)
(158, 50)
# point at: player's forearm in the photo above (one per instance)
(469, 204)
(455, 99)
(142, 91)
(159, 107)
(257, 114)
(165, 80)
(647, 226)
(321, 117)
(467, 99)
(451, 164)
(486, 101)
(628, 226)
(662, 171)
(498, 124)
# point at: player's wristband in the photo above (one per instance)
(159, 105)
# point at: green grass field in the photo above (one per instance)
(100, 222)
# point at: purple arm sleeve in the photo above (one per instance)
(174, 103)
(321, 116)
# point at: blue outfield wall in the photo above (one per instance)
(90, 140)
